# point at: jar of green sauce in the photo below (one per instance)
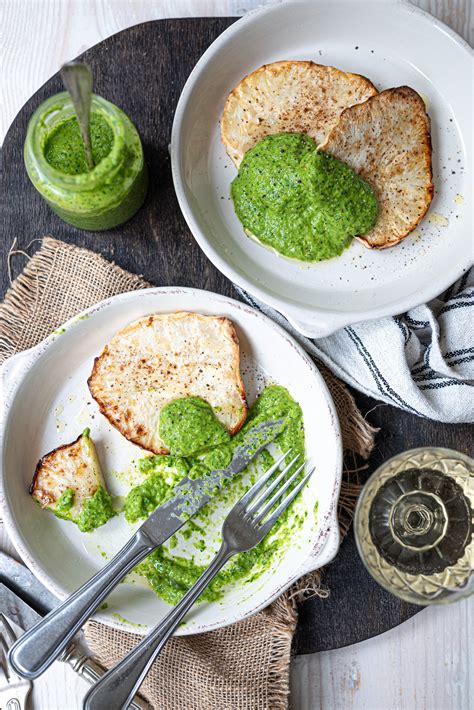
(55, 160)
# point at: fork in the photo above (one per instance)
(14, 690)
(244, 527)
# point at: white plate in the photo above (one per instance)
(47, 403)
(392, 44)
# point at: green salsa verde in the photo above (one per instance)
(188, 425)
(300, 201)
(169, 573)
(162, 473)
(65, 502)
(64, 148)
(96, 510)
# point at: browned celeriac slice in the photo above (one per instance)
(386, 140)
(288, 97)
(160, 358)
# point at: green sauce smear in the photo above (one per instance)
(188, 425)
(302, 202)
(171, 575)
(162, 472)
(65, 502)
(96, 511)
(64, 148)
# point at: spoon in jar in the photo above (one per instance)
(77, 78)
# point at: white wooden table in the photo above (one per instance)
(428, 662)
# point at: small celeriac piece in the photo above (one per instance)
(69, 482)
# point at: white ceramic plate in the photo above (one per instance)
(393, 44)
(47, 403)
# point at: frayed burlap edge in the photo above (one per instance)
(26, 315)
(28, 302)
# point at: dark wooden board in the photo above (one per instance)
(143, 70)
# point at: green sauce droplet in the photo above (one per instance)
(65, 502)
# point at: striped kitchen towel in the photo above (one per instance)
(421, 361)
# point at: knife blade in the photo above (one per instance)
(25, 616)
(190, 495)
(34, 652)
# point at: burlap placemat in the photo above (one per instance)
(245, 666)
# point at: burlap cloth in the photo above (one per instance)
(245, 666)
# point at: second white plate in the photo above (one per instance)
(393, 44)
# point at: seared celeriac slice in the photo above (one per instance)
(69, 482)
(160, 358)
(288, 97)
(386, 140)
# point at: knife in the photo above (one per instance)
(34, 652)
(25, 610)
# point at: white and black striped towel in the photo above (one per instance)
(421, 361)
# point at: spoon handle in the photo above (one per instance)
(77, 78)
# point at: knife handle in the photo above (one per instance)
(92, 671)
(34, 652)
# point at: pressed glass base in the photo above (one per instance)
(414, 525)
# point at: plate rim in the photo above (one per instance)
(313, 322)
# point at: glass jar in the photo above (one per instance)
(112, 191)
(414, 525)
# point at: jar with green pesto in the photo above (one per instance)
(97, 199)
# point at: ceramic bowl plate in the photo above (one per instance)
(392, 43)
(47, 403)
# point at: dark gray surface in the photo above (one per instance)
(158, 244)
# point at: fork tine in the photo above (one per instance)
(7, 639)
(266, 493)
(268, 524)
(4, 646)
(4, 678)
(252, 492)
(10, 634)
(4, 668)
